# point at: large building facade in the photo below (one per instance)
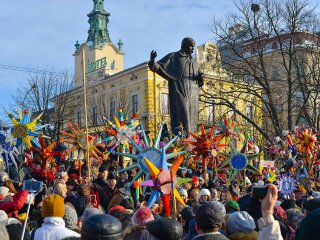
(138, 89)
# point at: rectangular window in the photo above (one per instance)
(112, 109)
(79, 118)
(134, 104)
(211, 114)
(94, 116)
(165, 109)
(249, 112)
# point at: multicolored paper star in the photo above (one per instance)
(25, 130)
(78, 139)
(237, 162)
(163, 182)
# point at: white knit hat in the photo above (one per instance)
(183, 192)
(204, 192)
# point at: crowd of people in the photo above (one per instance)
(71, 206)
(92, 199)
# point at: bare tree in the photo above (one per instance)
(48, 93)
(263, 46)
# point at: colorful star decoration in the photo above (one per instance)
(119, 128)
(25, 130)
(77, 138)
(228, 129)
(163, 182)
(45, 152)
(151, 152)
(205, 145)
(237, 162)
(306, 141)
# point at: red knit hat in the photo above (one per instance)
(142, 216)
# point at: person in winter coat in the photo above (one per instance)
(53, 227)
(79, 200)
(12, 204)
(240, 226)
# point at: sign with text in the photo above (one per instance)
(267, 164)
(101, 63)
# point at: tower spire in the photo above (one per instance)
(98, 19)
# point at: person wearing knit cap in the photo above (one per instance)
(209, 219)
(102, 227)
(53, 227)
(70, 218)
(240, 225)
(204, 195)
(139, 220)
(231, 206)
(163, 228)
(142, 216)
(184, 194)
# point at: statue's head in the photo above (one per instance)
(187, 45)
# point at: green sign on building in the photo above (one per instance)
(101, 63)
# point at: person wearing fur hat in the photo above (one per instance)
(241, 226)
(102, 227)
(204, 195)
(53, 227)
(163, 228)
(139, 221)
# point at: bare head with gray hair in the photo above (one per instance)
(294, 217)
(3, 176)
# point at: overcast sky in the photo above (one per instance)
(40, 34)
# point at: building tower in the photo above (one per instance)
(102, 57)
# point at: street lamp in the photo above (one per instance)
(255, 8)
(33, 86)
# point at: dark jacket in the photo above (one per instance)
(210, 236)
(99, 181)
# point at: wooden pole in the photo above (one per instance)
(173, 196)
(155, 104)
(86, 111)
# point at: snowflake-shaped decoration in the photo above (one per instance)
(287, 184)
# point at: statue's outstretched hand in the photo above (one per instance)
(200, 78)
(153, 55)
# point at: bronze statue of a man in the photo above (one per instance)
(184, 80)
